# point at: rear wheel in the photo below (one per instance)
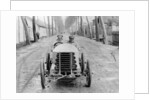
(42, 72)
(88, 75)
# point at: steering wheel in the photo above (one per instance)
(57, 43)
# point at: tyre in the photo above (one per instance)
(42, 75)
(48, 63)
(88, 75)
(82, 63)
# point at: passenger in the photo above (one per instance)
(71, 39)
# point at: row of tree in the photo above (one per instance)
(91, 30)
(95, 29)
(51, 24)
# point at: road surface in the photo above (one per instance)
(104, 63)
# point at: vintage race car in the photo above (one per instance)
(64, 62)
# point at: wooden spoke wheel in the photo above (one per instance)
(82, 63)
(88, 75)
(48, 63)
(42, 74)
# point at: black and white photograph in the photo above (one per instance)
(67, 54)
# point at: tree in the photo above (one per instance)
(34, 29)
(26, 30)
(52, 26)
(81, 25)
(49, 30)
(46, 26)
(59, 23)
(18, 29)
(89, 27)
(70, 20)
(96, 28)
(104, 29)
(76, 25)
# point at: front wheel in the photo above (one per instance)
(48, 63)
(42, 72)
(88, 75)
(82, 63)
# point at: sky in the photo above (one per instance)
(63, 18)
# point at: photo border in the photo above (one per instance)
(101, 10)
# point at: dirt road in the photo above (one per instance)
(104, 61)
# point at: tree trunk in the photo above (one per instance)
(34, 29)
(46, 26)
(81, 25)
(52, 26)
(96, 29)
(18, 29)
(104, 30)
(89, 27)
(76, 25)
(26, 30)
(49, 30)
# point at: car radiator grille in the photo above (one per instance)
(65, 63)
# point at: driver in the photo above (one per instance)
(59, 40)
